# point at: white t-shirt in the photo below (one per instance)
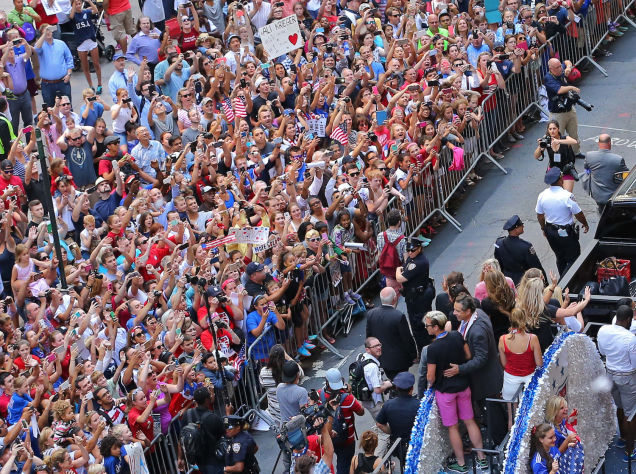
(373, 376)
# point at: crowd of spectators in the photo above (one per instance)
(199, 133)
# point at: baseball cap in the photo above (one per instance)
(513, 223)
(254, 267)
(6, 165)
(404, 380)
(207, 189)
(99, 181)
(206, 100)
(230, 38)
(111, 139)
(334, 379)
(118, 55)
(290, 371)
(214, 291)
(259, 81)
(412, 243)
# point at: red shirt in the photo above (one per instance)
(145, 427)
(349, 407)
(4, 405)
(223, 339)
(20, 362)
(188, 41)
(13, 181)
(44, 18)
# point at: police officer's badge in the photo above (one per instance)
(410, 266)
(236, 447)
(532, 250)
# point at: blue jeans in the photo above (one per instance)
(344, 455)
(50, 90)
(21, 106)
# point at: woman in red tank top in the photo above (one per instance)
(519, 353)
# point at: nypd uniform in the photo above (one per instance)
(418, 292)
(559, 208)
(515, 255)
(240, 448)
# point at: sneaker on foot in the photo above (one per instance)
(629, 457)
(348, 299)
(308, 345)
(303, 351)
(312, 337)
(353, 295)
(482, 464)
(455, 467)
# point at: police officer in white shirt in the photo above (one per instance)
(618, 345)
(556, 210)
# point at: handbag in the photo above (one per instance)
(614, 286)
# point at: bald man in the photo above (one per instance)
(391, 327)
(557, 87)
(601, 166)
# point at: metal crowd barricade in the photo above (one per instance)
(162, 454)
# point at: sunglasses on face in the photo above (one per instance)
(315, 239)
(354, 174)
(186, 95)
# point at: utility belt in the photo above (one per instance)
(414, 292)
(565, 230)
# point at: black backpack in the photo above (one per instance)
(359, 386)
(194, 440)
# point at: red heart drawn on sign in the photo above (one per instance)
(293, 38)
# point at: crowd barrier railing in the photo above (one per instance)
(326, 303)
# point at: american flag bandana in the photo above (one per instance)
(227, 109)
(340, 134)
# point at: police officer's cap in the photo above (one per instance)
(404, 380)
(232, 421)
(513, 223)
(413, 243)
(552, 175)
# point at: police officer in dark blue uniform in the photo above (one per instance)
(516, 255)
(418, 289)
(240, 453)
(398, 414)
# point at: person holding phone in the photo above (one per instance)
(15, 64)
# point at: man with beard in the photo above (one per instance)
(78, 153)
(108, 201)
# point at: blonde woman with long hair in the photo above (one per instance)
(539, 315)
(489, 265)
(499, 302)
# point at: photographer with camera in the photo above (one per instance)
(562, 109)
(220, 318)
(560, 153)
(343, 432)
(291, 398)
(307, 463)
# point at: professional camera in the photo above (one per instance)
(566, 101)
(569, 169)
(194, 280)
(545, 142)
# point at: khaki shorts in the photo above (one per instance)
(624, 391)
(121, 24)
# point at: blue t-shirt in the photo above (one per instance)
(261, 350)
(16, 406)
(539, 464)
(114, 465)
(104, 208)
(84, 27)
(93, 114)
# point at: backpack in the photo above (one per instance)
(389, 259)
(340, 425)
(359, 386)
(193, 440)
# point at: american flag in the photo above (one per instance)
(239, 107)
(227, 109)
(239, 360)
(571, 461)
(340, 134)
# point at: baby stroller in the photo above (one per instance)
(68, 36)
